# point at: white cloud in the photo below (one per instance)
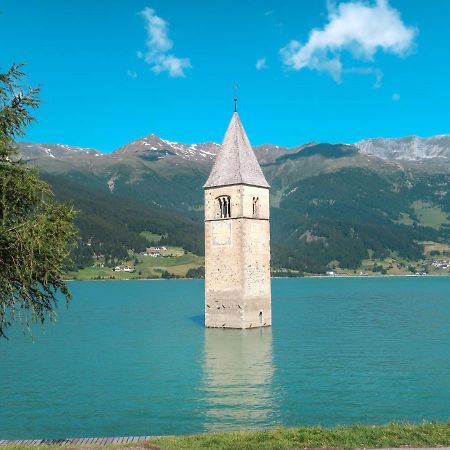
(132, 73)
(261, 64)
(357, 27)
(395, 97)
(158, 47)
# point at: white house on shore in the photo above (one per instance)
(125, 268)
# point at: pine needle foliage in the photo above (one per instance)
(36, 233)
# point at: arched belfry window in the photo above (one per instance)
(255, 206)
(224, 205)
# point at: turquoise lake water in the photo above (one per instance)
(133, 358)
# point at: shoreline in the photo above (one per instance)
(436, 275)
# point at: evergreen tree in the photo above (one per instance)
(36, 233)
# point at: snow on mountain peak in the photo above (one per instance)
(152, 147)
(409, 148)
(33, 151)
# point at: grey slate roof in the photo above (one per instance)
(236, 162)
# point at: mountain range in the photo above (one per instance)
(151, 147)
(331, 203)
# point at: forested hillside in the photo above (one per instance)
(340, 216)
(110, 224)
(332, 205)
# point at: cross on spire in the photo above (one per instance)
(235, 87)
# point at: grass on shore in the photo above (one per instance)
(347, 437)
(356, 436)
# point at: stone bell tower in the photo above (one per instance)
(237, 237)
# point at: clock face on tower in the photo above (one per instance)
(221, 233)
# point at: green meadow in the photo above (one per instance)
(173, 262)
(430, 215)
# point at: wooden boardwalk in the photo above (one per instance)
(78, 441)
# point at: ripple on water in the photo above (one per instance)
(133, 358)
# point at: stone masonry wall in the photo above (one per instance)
(237, 259)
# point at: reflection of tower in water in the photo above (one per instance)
(237, 379)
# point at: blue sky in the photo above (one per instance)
(112, 71)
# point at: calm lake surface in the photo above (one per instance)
(133, 358)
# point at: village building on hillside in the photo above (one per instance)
(124, 268)
(154, 251)
(441, 264)
(152, 254)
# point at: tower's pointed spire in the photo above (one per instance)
(236, 162)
